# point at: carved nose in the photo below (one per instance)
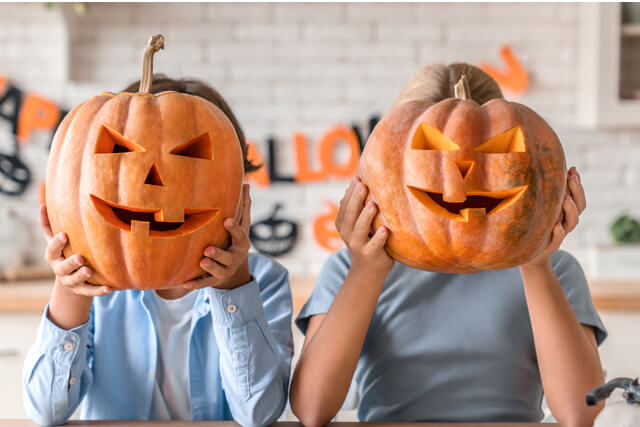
(454, 185)
(464, 167)
(153, 176)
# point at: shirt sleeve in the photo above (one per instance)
(252, 324)
(56, 371)
(576, 288)
(328, 283)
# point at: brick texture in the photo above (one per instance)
(290, 67)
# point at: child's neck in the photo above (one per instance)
(173, 293)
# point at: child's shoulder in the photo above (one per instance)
(564, 262)
(267, 271)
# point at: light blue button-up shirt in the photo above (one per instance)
(239, 353)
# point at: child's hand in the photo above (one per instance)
(573, 205)
(354, 223)
(69, 272)
(228, 269)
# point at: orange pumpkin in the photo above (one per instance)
(141, 183)
(464, 187)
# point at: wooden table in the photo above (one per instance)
(25, 423)
(32, 296)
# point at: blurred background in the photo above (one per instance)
(309, 78)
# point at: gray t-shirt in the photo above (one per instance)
(450, 347)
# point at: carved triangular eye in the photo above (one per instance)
(200, 147)
(111, 141)
(509, 141)
(429, 137)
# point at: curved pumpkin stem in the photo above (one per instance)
(154, 44)
(461, 89)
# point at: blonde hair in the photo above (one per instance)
(436, 82)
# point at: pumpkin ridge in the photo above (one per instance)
(123, 260)
(87, 246)
(415, 123)
(182, 274)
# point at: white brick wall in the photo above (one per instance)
(305, 67)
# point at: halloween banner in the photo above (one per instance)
(25, 113)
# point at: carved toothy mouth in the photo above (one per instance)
(489, 202)
(149, 221)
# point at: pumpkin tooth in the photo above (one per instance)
(151, 222)
(487, 201)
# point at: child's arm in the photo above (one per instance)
(252, 326)
(56, 375)
(566, 350)
(334, 341)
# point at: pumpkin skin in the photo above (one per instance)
(141, 184)
(463, 187)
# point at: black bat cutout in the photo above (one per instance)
(274, 236)
(14, 175)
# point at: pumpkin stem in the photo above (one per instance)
(461, 89)
(154, 44)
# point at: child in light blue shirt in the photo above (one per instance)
(215, 348)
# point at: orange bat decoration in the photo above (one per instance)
(514, 78)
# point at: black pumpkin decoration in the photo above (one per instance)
(274, 236)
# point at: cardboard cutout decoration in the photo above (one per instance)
(260, 176)
(14, 174)
(37, 113)
(142, 182)
(274, 236)
(514, 78)
(326, 151)
(325, 231)
(464, 187)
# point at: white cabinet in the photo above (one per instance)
(620, 353)
(606, 75)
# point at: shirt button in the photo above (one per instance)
(241, 357)
(231, 308)
(68, 346)
(151, 373)
(72, 381)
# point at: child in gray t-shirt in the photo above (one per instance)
(427, 346)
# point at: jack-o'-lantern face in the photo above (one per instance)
(141, 184)
(464, 187)
(154, 221)
(453, 185)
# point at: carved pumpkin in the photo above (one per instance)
(464, 187)
(141, 183)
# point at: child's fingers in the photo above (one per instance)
(571, 216)
(54, 248)
(89, 290)
(239, 237)
(576, 191)
(219, 255)
(354, 207)
(557, 235)
(363, 224)
(64, 267)
(44, 223)
(245, 220)
(213, 268)
(345, 201)
(77, 277)
(379, 238)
